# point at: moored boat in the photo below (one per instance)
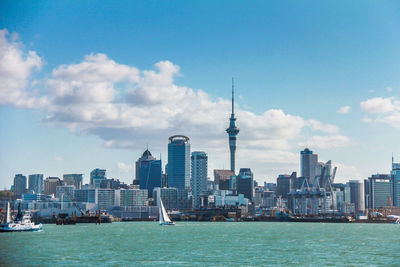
(21, 223)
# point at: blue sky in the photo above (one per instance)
(295, 64)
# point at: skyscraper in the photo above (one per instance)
(222, 177)
(245, 183)
(36, 183)
(149, 172)
(96, 176)
(199, 176)
(357, 194)
(73, 179)
(50, 185)
(19, 185)
(395, 173)
(232, 132)
(379, 189)
(179, 162)
(308, 165)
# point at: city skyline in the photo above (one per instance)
(74, 103)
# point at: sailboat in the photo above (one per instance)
(21, 223)
(164, 218)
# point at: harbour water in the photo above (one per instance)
(205, 244)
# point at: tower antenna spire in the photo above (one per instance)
(233, 97)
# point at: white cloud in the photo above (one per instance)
(57, 158)
(378, 105)
(383, 110)
(16, 67)
(319, 126)
(327, 142)
(344, 110)
(123, 167)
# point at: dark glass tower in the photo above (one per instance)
(232, 132)
(179, 162)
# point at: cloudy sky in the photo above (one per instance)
(86, 86)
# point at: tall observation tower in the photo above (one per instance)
(232, 132)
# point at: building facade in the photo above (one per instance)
(199, 176)
(357, 195)
(308, 165)
(73, 179)
(179, 162)
(133, 197)
(222, 177)
(19, 185)
(50, 185)
(395, 173)
(36, 183)
(149, 172)
(96, 176)
(379, 191)
(245, 183)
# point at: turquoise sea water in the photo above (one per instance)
(205, 244)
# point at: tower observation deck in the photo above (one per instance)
(232, 132)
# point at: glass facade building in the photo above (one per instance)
(199, 176)
(179, 162)
(149, 172)
(36, 183)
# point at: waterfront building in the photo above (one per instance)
(65, 193)
(245, 183)
(149, 172)
(308, 165)
(199, 176)
(227, 198)
(184, 199)
(179, 162)
(264, 198)
(357, 194)
(73, 179)
(395, 173)
(31, 197)
(107, 198)
(19, 185)
(222, 177)
(36, 183)
(169, 197)
(111, 183)
(87, 195)
(232, 132)
(379, 189)
(285, 183)
(96, 176)
(50, 185)
(133, 197)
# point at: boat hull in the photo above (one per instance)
(21, 229)
(167, 223)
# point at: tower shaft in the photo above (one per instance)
(232, 132)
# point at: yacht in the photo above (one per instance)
(164, 218)
(21, 223)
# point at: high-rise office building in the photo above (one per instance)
(199, 176)
(222, 177)
(19, 185)
(395, 173)
(36, 183)
(133, 197)
(379, 189)
(232, 132)
(357, 194)
(179, 162)
(65, 192)
(169, 197)
(96, 176)
(285, 183)
(308, 165)
(149, 172)
(50, 185)
(245, 183)
(73, 179)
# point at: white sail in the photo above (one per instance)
(163, 214)
(8, 218)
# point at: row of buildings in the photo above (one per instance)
(184, 185)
